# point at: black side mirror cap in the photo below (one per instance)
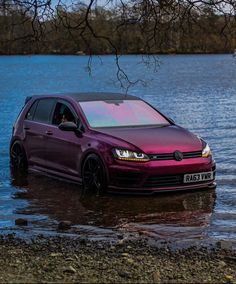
(68, 126)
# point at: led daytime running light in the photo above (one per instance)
(127, 155)
(206, 152)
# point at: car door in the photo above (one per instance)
(63, 149)
(35, 128)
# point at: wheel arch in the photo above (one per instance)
(86, 154)
(18, 140)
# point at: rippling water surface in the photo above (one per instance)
(197, 91)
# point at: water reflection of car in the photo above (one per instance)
(58, 200)
(109, 141)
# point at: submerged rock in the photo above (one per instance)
(64, 225)
(21, 222)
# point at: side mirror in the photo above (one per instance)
(68, 126)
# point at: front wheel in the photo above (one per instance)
(93, 174)
(18, 157)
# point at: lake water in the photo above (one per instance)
(197, 91)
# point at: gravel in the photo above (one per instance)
(60, 259)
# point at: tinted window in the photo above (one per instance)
(43, 110)
(121, 113)
(62, 113)
(30, 113)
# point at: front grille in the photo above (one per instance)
(170, 156)
(175, 180)
(196, 154)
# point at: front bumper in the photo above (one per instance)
(158, 176)
(142, 191)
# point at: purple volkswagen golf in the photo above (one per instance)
(111, 142)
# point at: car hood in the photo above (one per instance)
(153, 140)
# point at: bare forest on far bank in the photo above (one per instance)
(130, 27)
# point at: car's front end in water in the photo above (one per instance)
(158, 159)
(164, 174)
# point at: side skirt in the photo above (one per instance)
(56, 175)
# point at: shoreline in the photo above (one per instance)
(112, 54)
(59, 259)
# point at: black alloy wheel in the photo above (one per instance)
(18, 157)
(93, 174)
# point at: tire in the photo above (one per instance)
(18, 157)
(93, 174)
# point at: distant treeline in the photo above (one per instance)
(105, 31)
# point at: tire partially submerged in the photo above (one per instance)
(93, 174)
(18, 157)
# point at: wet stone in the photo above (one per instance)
(55, 254)
(69, 259)
(120, 242)
(21, 222)
(123, 274)
(69, 269)
(83, 241)
(100, 246)
(64, 225)
(222, 263)
(224, 244)
(229, 279)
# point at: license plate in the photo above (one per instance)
(197, 177)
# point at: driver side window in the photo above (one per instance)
(62, 113)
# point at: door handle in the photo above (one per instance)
(26, 128)
(48, 132)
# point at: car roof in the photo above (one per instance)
(90, 96)
(100, 96)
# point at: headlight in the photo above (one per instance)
(128, 155)
(206, 152)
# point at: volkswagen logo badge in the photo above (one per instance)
(178, 156)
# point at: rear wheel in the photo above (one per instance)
(18, 157)
(93, 174)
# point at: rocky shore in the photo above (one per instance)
(58, 259)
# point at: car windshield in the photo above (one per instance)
(118, 113)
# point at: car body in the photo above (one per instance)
(109, 141)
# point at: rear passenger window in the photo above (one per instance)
(43, 110)
(30, 113)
